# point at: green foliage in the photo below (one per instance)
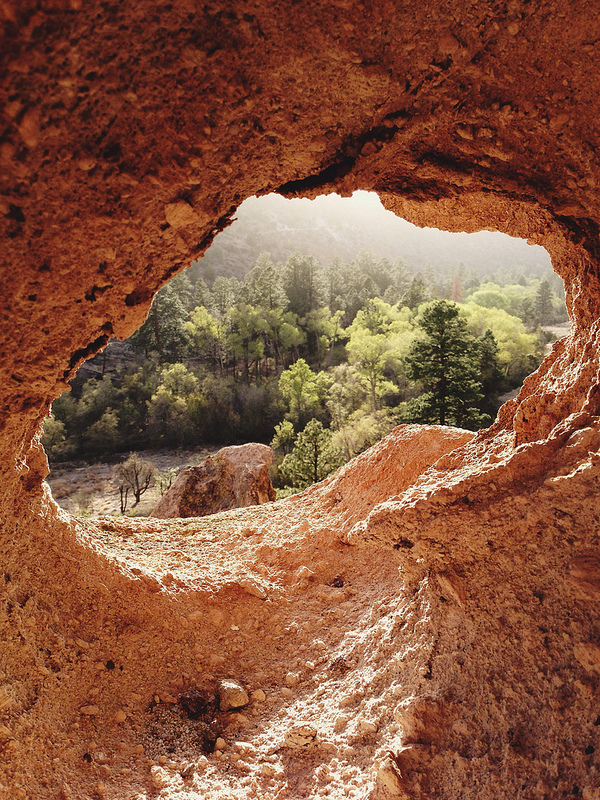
(490, 373)
(225, 292)
(361, 430)
(543, 303)
(207, 336)
(303, 391)
(285, 436)
(102, 435)
(263, 285)
(518, 351)
(416, 294)
(312, 458)
(54, 437)
(379, 338)
(297, 341)
(347, 393)
(444, 362)
(303, 284)
(164, 329)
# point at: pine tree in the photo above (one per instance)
(490, 374)
(445, 362)
(543, 303)
(416, 293)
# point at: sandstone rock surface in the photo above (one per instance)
(235, 477)
(453, 606)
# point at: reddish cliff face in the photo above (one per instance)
(408, 631)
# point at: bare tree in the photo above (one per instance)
(135, 475)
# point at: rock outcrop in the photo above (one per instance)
(235, 477)
(440, 641)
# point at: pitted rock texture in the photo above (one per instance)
(435, 627)
(235, 477)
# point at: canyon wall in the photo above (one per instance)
(421, 624)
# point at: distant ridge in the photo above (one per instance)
(333, 226)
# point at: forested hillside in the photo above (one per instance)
(341, 227)
(321, 358)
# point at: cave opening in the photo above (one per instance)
(206, 349)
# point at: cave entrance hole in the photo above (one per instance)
(290, 281)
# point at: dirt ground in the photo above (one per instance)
(90, 489)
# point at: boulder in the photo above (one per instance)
(236, 477)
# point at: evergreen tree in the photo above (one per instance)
(225, 292)
(163, 331)
(445, 362)
(202, 295)
(416, 293)
(543, 303)
(263, 285)
(490, 373)
(303, 284)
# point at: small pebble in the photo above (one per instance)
(258, 696)
(120, 716)
(232, 695)
(292, 679)
(220, 744)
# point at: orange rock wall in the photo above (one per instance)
(130, 133)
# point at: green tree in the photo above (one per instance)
(225, 292)
(416, 294)
(285, 436)
(202, 295)
(312, 458)
(169, 417)
(445, 363)
(543, 303)
(490, 373)
(263, 285)
(54, 437)
(346, 394)
(379, 338)
(518, 352)
(361, 430)
(303, 284)
(283, 337)
(164, 328)
(247, 326)
(207, 336)
(183, 289)
(169, 420)
(323, 329)
(303, 391)
(102, 436)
